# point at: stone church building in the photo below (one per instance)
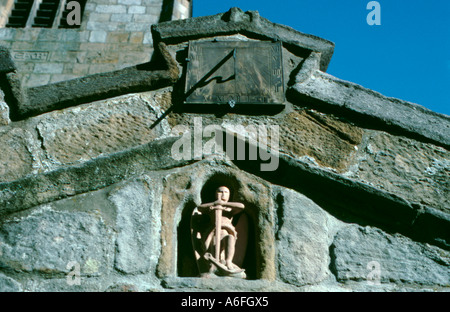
(116, 134)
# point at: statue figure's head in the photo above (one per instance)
(223, 193)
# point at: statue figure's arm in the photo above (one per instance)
(234, 207)
(205, 208)
(218, 204)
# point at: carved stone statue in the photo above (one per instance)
(214, 236)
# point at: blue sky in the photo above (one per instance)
(406, 57)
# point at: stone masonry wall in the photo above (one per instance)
(102, 206)
(92, 197)
(113, 34)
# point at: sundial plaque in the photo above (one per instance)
(234, 73)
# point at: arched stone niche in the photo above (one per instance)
(185, 190)
(245, 249)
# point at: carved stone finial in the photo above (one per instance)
(236, 15)
(6, 62)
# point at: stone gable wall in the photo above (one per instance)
(93, 199)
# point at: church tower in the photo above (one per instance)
(108, 35)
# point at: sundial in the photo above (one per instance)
(234, 73)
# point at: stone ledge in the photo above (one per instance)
(367, 107)
(92, 175)
(160, 72)
(218, 284)
(400, 260)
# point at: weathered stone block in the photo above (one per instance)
(155, 11)
(145, 18)
(26, 45)
(108, 26)
(48, 241)
(123, 18)
(16, 157)
(62, 77)
(136, 9)
(399, 259)
(98, 36)
(27, 67)
(137, 239)
(66, 56)
(386, 161)
(104, 8)
(103, 56)
(68, 35)
(100, 68)
(55, 45)
(304, 234)
(80, 69)
(100, 17)
(152, 3)
(86, 132)
(134, 58)
(90, 7)
(137, 37)
(7, 284)
(49, 35)
(34, 80)
(117, 37)
(130, 2)
(49, 68)
(7, 33)
(32, 34)
(137, 27)
(330, 141)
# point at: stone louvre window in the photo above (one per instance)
(40, 13)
